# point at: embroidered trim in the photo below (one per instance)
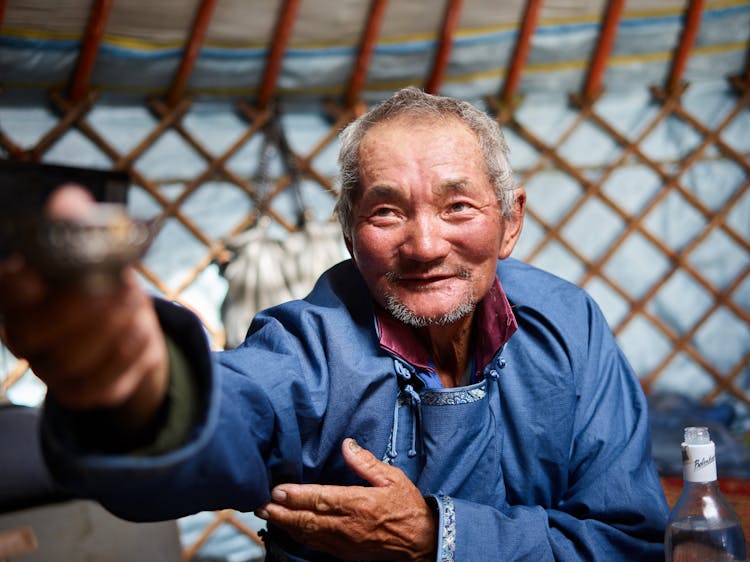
(448, 532)
(453, 397)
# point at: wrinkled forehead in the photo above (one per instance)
(421, 162)
(419, 119)
(402, 130)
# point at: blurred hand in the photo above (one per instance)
(92, 351)
(388, 521)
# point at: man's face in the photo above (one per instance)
(427, 224)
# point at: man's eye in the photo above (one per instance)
(459, 206)
(382, 212)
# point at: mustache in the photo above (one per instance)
(397, 275)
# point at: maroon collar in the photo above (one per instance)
(494, 318)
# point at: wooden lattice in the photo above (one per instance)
(715, 220)
(75, 105)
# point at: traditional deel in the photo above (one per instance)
(545, 457)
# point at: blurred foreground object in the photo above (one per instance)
(88, 252)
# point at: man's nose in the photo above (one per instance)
(425, 239)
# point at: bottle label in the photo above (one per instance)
(699, 462)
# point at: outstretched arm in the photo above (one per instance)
(388, 521)
(103, 352)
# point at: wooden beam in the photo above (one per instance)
(364, 55)
(521, 51)
(607, 35)
(687, 40)
(279, 41)
(442, 57)
(191, 52)
(79, 84)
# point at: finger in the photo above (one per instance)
(70, 201)
(310, 529)
(366, 465)
(66, 321)
(317, 498)
(20, 286)
(89, 350)
(106, 375)
(297, 522)
(328, 532)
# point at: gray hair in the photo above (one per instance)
(412, 102)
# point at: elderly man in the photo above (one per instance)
(430, 399)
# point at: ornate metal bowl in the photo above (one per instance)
(89, 252)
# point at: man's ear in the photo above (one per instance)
(348, 243)
(513, 225)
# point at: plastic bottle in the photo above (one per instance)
(702, 527)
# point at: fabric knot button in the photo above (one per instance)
(412, 393)
(402, 370)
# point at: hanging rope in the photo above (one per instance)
(265, 269)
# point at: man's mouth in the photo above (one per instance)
(423, 278)
(426, 278)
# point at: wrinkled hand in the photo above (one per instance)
(92, 351)
(388, 521)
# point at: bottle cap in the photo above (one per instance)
(697, 436)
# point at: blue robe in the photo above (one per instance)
(547, 457)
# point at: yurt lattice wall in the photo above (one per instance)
(639, 194)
